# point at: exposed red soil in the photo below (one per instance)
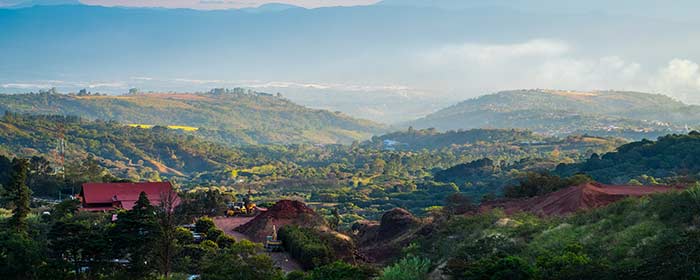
(381, 242)
(284, 212)
(573, 199)
(281, 259)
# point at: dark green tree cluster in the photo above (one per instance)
(307, 246)
(671, 156)
(535, 184)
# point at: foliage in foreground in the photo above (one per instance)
(648, 238)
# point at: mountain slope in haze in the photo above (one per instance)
(627, 114)
(680, 10)
(235, 116)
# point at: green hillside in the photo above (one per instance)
(607, 113)
(417, 139)
(647, 162)
(235, 116)
(126, 151)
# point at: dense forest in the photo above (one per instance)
(671, 158)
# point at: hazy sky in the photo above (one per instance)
(224, 4)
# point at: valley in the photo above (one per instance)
(349, 140)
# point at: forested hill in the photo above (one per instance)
(126, 151)
(607, 113)
(237, 116)
(669, 158)
(431, 139)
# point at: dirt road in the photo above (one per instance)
(281, 259)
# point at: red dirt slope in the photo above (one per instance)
(575, 198)
(379, 243)
(284, 212)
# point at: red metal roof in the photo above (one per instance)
(96, 195)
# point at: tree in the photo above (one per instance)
(341, 271)
(79, 242)
(241, 261)
(204, 224)
(336, 219)
(19, 194)
(414, 268)
(458, 204)
(20, 256)
(134, 235)
(166, 243)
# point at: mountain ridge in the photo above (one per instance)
(556, 112)
(236, 116)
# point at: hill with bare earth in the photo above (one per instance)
(632, 115)
(235, 116)
(573, 199)
(290, 213)
(283, 213)
(383, 241)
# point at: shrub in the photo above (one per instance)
(306, 246)
(408, 268)
(225, 241)
(204, 224)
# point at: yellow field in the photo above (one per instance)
(178, 127)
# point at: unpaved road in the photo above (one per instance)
(281, 259)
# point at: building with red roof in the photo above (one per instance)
(112, 196)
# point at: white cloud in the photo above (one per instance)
(680, 78)
(539, 63)
(26, 85)
(495, 53)
(610, 72)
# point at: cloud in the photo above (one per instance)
(26, 85)
(224, 4)
(142, 78)
(495, 53)
(477, 68)
(680, 78)
(109, 86)
(611, 72)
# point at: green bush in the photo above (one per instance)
(204, 224)
(341, 271)
(413, 268)
(306, 246)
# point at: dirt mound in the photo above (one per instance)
(395, 222)
(381, 242)
(284, 212)
(575, 198)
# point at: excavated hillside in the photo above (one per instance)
(573, 199)
(380, 242)
(284, 212)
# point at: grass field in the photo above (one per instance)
(178, 127)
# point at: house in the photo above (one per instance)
(112, 196)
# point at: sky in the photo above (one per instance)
(224, 4)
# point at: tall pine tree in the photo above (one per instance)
(19, 194)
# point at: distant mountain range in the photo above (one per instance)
(680, 10)
(231, 116)
(398, 47)
(608, 113)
